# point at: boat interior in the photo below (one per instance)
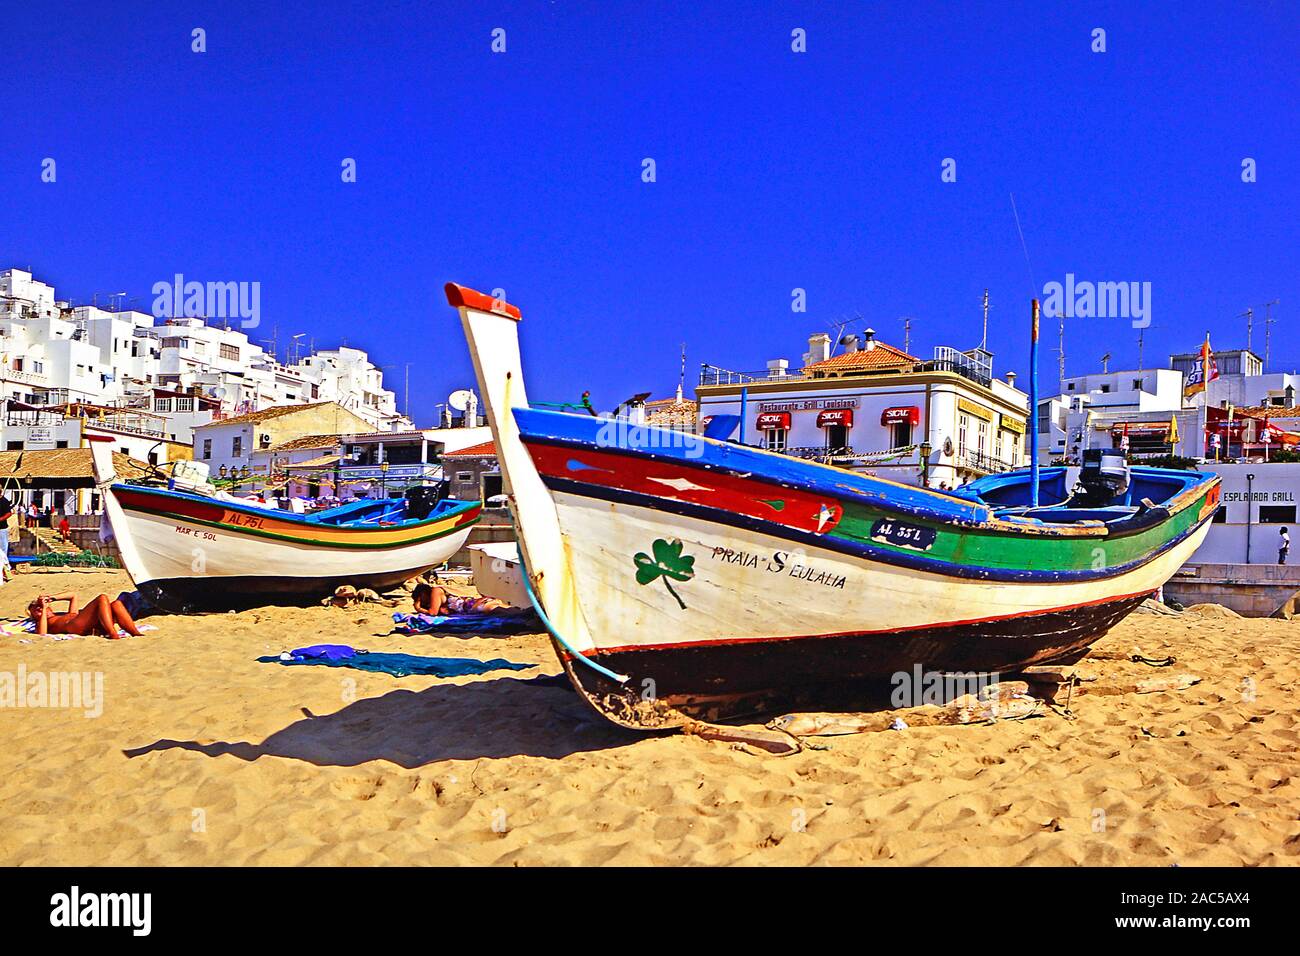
(381, 512)
(1102, 492)
(420, 503)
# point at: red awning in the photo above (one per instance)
(770, 420)
(1140, 428)
(835, 416)
(896, 416)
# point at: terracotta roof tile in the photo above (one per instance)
(309, 441)
(268, 413)
(73, 464)
(881, 357)
(482, 450)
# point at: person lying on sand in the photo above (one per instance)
(433, 600)
(100, 616)
(346, 596)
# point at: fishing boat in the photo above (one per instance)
(680, 575)
(200, 549)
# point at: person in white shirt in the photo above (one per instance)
(1284, 545)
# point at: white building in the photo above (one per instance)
(347, 376)
(1259, 500)
(1109, 409)
(876, 409)
(185, 369)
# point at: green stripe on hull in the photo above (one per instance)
(971, 547)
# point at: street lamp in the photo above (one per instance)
(383, 478)
(926, 449)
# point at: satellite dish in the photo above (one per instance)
(460, 399)
(219, 392)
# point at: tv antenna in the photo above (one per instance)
(1105, 364)
(1268, 330)
(907, 333)
(984, 337)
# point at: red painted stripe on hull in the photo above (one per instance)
(665, 479)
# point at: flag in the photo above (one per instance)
(1207, 371)
(1172, 437)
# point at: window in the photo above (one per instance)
(963, 426)
(464, 476)
(184, 404)
(1137, 384)
(162, 405)
(237, 446)
(207, 449)
(1105, 388)
(13, 446)
(837, 437)
(900, 434)
(1220, 516)
(492, 489)
(60, 444)
(1069, 387)
(1277, 514)
(981, 437)
(230, 352)
(777, 439)
(997, 445)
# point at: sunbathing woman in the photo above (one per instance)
(434, 601)
(100, 616)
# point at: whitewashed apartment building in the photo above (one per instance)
(176, 374)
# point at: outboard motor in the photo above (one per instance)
(1103, 478)
(422, 499)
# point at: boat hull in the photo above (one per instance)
(188, 555)
(761, 622)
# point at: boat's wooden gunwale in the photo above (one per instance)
(988, 525)
(285, 516)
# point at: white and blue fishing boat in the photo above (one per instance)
(680, 575)
(196, 548)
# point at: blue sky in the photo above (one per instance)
(775, 171)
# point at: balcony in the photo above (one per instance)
(982, 462)
(716, 375)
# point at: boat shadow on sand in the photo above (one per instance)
(501, 717)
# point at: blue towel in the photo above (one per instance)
(329, 652)
(398, 665)
(489, 623)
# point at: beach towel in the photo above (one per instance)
(27, 626)
(398, 665)
(328, 652)
(513, 623)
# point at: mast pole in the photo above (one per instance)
(1033, 409)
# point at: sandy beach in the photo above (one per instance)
(204, 756)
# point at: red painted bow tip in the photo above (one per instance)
(463, 297)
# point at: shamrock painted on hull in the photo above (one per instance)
(668, 562)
